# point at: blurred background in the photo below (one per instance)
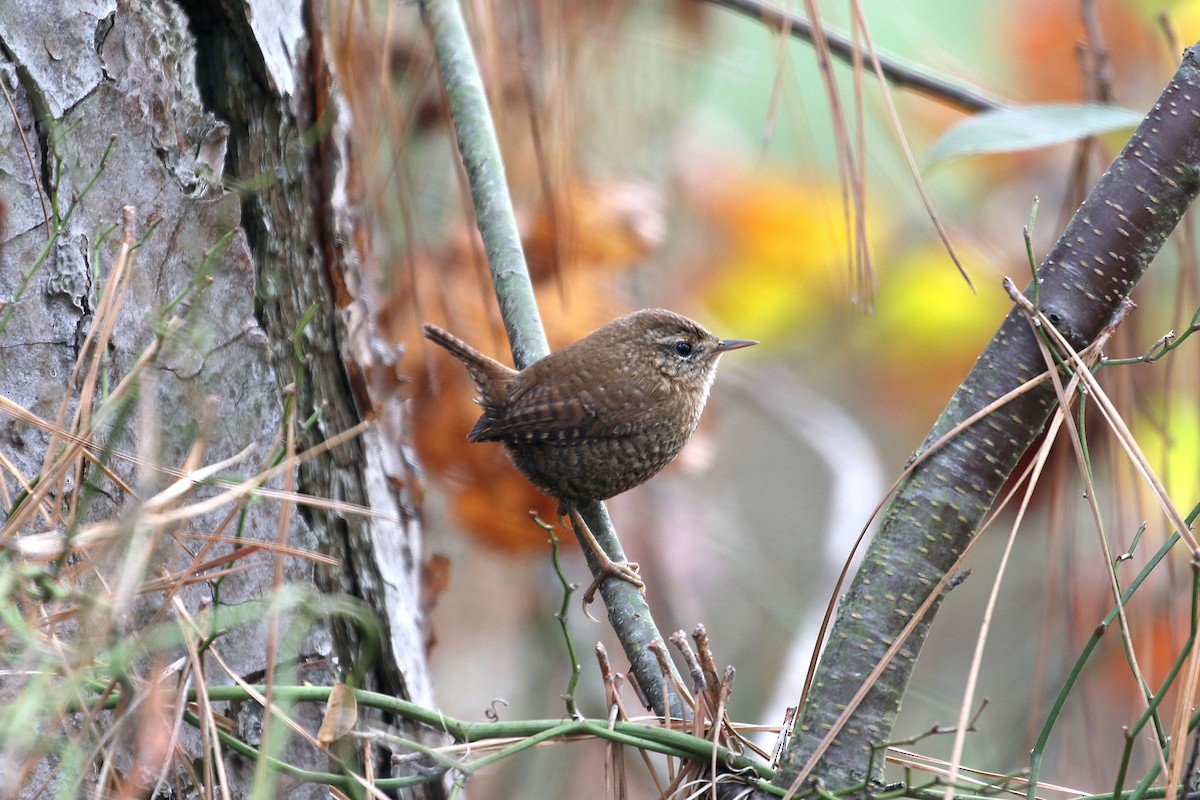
(677, 154)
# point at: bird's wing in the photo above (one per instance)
(537, 412)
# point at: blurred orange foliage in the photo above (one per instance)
(1046, 39)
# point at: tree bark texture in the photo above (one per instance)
(226, 140)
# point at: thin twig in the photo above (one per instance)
(967, 98)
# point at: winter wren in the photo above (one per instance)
(602, 414)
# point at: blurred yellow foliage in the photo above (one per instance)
(926, 305)
(1184, 16)
(780, 270)
(782, 253)
(1171, 443)
(930, 327)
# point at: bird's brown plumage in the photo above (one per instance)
(602, 414)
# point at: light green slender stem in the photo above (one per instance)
(627, 609)
(485, 173)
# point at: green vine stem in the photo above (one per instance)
(569, 695)
(654, 738)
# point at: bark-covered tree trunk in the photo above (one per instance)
(220, 126)
(1092, 268)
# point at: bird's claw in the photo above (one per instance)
(627, 571)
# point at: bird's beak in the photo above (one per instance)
(733, 344)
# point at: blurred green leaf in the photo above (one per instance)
(1006, 130)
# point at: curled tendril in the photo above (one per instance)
(491, 713)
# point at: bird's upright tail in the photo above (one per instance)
(488, 373)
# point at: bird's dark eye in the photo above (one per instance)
(683, 348)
